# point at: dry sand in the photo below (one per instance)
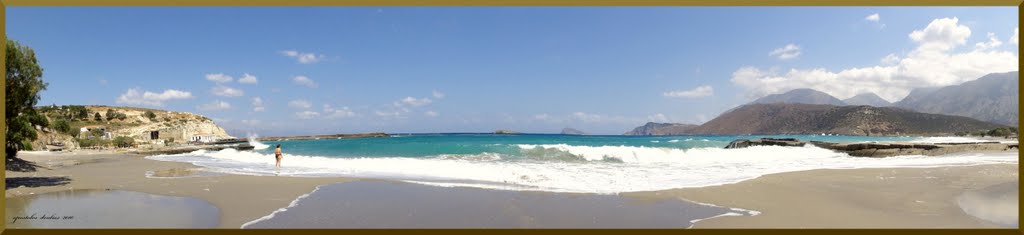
(855, 198)
(241, 198)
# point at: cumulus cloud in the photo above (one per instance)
(307, 114)
(789, 51)
(431, 114)
(1014, 38)
(215, 105)
(890, 59)
(303, 58)
(941, 34)
(248, 79)
(992, 42)
(932, 63)
(304, 81)
(700, 91)
(658, 118)
(873, 17)
(301, 104)
(225, 91)
(438, 95)
(257, 104)
(333, 113)
(409, 100)
(135, 96)
(218, 78)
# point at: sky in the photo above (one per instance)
(602, 70)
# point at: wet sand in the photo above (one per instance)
(856, 198)
(388, 204)
(109, 209)
(240, 198)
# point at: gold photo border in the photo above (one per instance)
(3, 35)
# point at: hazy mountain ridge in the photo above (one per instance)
(781, 118)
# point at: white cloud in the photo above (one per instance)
(305, 81)
(301, 104)
(248, 79)
(215, 105)
(541, 117)
(103, 82)
(218, 78)
(135, 96)
(992, 42)
(941, 34)
(789, 51)
(700, 91)
(307, 114)
(387, 114)
(658, 118)
(873, 17)
(932, 63)
(333, 113)
(225, 91)
(890, 59)
(304, 58)
(1014, 38)
(257, 104)
(438, 95)
(431, 114)
(251, 122)
(416, 102)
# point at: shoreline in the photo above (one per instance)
(818, 188)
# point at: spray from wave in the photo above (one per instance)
(253, 140)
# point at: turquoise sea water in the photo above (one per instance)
(559, 163)
(431, 145)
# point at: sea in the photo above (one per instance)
(468, 180)
(560, 163)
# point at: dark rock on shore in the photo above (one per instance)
(787, 142)
(879, 149)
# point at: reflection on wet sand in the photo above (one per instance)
(109, 209)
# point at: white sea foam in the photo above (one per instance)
(639, 168)
(283, 209)
(253, 140)
(673, 141)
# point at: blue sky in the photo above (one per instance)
(603, 70)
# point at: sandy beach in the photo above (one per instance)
(241, 198)
(855, 198)
(847, 198)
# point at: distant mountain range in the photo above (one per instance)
(800, 96)
(781, 118)
(985, 103)
(870, 99)
(652, 128)
(992, 98)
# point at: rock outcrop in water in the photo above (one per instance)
(879, 149)
(570, 131)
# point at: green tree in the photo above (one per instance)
(97, 117)
(150, 115)
(63, 126)
(111, 114)
(24, 82)
(123, 142)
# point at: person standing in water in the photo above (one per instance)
(278, 155)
